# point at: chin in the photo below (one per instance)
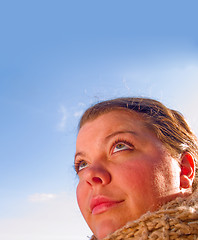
(106, 228)
(104, 233)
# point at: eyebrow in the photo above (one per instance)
(120, 132)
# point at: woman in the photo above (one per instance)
(136, 161)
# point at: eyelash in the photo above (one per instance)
(119, 140)
(77, 165)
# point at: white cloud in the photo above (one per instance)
(78, 113)
(81, 104)
(62, 124)
(41, 197)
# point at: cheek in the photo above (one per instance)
(139, 178)
(136, 170)
(152, 177)
(137, 183)
(135, 175)
(170, 175)
(81, 197)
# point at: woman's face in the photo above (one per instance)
(124, 171)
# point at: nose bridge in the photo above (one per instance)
(98, 174)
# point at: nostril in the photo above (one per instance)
(97, 180)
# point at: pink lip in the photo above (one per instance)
(101, 204)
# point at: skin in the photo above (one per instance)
(121, 160)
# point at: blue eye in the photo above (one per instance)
(82, 165)
(120, 147)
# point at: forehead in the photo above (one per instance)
(115, 120)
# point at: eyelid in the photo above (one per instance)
(123, 141)
(79, 157)
(76, 165)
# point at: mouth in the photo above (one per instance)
(101, 204)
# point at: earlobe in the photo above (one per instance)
(187, 171)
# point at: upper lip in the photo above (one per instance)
(95, 201)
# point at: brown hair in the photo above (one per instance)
(168, 125)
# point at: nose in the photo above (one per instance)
(98, 175)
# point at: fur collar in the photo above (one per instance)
(177, 219)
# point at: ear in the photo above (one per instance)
(187, 171)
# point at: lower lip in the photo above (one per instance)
(103, 207)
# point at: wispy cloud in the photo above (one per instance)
(81, 104)
(125, 84)
(62, 123)
(78, 113)
(41, 197)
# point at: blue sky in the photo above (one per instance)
(57, 58)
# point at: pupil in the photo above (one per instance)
(120, 145)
